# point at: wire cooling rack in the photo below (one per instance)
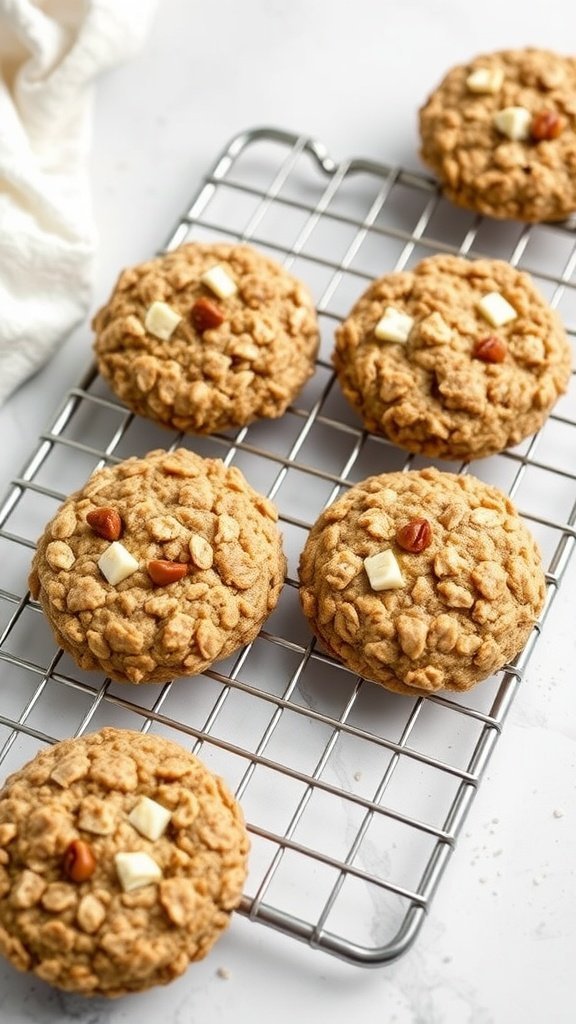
(354, 796)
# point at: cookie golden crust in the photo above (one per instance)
(65, 914)
(459, 593)
(203, 558)
(227, 360)
(457, 387)
(530, 178)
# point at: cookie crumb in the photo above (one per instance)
(224, 973)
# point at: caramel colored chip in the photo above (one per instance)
(163, 572)
(206, 315)
(547, 125)
(79, 861)
(490, 350)
(106, 522)
(415, 536)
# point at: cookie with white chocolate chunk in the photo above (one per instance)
(456, 358)
(159, 566)
(207, 337)
(422, 581)
(500, 133)
(121, 860)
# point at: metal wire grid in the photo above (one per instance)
(354, 797)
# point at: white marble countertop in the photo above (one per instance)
(500, 942)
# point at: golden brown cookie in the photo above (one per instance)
(121, 860)
(422, 581)
(456, 358)
(159, 566)
(207, 337)
(500, 133)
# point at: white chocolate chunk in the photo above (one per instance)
(496, 309)
(514, 122)
(485, 80)
(149, 818)
(136, 869)
(383, 571)
(116, 563)
(394, 326)
(219, 281)
(161, 320)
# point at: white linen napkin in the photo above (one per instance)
(50, 53)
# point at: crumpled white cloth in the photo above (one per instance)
(50, 53)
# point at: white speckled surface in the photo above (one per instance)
(500, 942)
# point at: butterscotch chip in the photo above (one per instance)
(469, 599)
(445, 392)
(546, 125)
(89, 932)
(218, 367)
(79, 863)
(508, 150)
(206, 569)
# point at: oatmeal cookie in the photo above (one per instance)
(455, 359)
(500, 133)
(121, 860)
(159, 566)
(422, 581)
(207, 337)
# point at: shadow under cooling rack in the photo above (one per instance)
(354, 796)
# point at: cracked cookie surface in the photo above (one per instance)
(226, 363)
(527, 179)
(433, 394)
(187, 513)
(464, 605)
(90, 935)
